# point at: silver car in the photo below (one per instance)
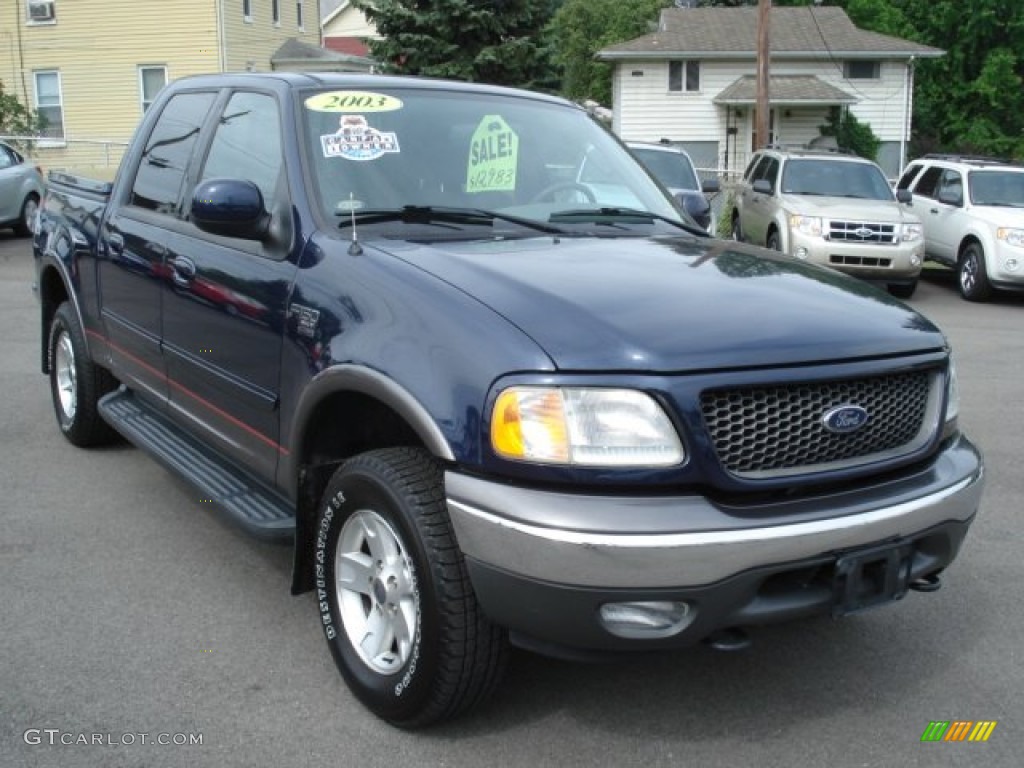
(21, 189)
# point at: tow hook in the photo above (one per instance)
(730, 639)
(932, 583)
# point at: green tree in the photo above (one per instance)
(490, 41)
(581, 28)
(15, 118)
(851, 133)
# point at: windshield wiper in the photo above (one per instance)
(614, 216)
(439, 216)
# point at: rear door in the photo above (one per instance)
(134, 242)
(224, 302)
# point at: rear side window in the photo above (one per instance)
(158, 182)
(928, 183)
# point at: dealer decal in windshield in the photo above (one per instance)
(353, 101)
(355, 139)
(493, 156)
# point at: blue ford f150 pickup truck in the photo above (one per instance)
(385, 319)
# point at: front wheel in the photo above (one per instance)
(774, 242)
(394, 596)
(27, 218)
(971, 275)
(903, 290)
(76, 383)
(737, 229)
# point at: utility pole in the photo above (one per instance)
(764, 8)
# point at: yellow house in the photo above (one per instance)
(92, 67)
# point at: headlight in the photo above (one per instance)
(595, 427)
(912, 232)
(952, 402)
(1011, 236)
(808, 225)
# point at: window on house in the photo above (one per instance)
(41, 11)
(151, 80)
(861, 70)
(275, 11)
(684, 76)
(49, 104)
(298, 14)
(247, 10)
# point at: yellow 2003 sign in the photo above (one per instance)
(493, 156)
(353, 101)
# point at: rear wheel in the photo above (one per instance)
(76, 383)
(394, 596)
(27, 219)
(971, 275)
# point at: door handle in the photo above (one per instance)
(184, 270)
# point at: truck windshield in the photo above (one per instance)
(391, 148)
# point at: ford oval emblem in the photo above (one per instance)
(845, 418)
(863, 232)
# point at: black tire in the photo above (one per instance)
(23, 227)
(76, 383)
(737, 228)
(903, 290)
(972, 279)
(427, 652)
(774, 243)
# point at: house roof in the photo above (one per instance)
(331, 8)
(785, 89)
(802, 32)
(295, 51)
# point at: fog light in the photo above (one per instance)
(654, 619)
(915, 260)
(801, 253)
(1012, 265)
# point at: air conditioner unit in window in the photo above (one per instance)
(42, 11)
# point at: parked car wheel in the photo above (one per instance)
(774, 241)
(971, 275)
(903, 290)
(394, 596)
(76, 383)
(23, 228)
(737, 229)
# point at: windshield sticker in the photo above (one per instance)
(356, 140)
(353, 101)
(493, 157)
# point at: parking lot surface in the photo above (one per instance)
(137, 622)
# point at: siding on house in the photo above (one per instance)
(98, 46)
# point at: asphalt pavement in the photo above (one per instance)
(131, 614)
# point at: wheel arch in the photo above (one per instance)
(376, 412)
(54, 291)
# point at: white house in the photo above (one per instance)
(693, 81)
(345, 28)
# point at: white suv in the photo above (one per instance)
(832, 209)
(973, 215)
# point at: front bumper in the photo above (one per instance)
(543, 563)
(900, 262)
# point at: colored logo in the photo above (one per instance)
(959, 730)
(357, 140)
(845, 418)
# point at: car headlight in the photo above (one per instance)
(1011, 236)
(583, 426)
(952, 402)
(808, 225)
(912, 232)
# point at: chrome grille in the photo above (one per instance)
(768, 431)
(862, 232)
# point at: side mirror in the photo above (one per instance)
(710, 186)
(763, 187)
(696, 205)
(230, 207)
(904, 196)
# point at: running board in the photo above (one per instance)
(246, 500)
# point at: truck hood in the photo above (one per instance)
(674, 303)
(887, 211)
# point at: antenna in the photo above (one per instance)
(355, 249)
